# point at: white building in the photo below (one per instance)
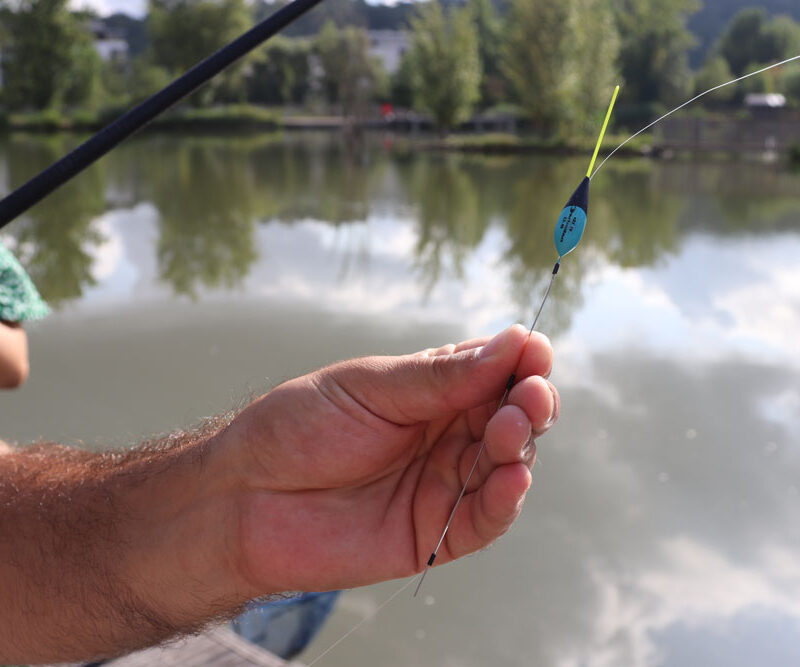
(389, 46)
(764, 100)
(112, 49)
(109, 47)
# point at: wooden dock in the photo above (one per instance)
(220, 647)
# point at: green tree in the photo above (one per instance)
(4, 35)
(779, 40)
(341, 13)
(183, 32)
(750, 41)
(130, 82)
(654, 49)
(561, 67)
(402, 86)
(490, 36)
(144, 79)
(83, 81)
(350, 76)
(739, 43)
(48, 58)
(445, 63)
(714, 72)
(790, 85)
(279, 73)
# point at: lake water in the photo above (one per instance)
(663, 526)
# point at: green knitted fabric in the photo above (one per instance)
(19, 300)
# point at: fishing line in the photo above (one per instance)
(687, 103)
(568, 232)
(508, 388)
(368, 617)
(567, 235)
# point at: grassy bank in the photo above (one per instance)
(249, 118)
(216, 119)
(514, 143)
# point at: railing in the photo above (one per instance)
(773, 131)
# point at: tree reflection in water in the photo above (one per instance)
(212, 192)
(205, 196)
(445, 199)
(54, 240)
(665, 515)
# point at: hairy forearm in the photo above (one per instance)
(104, 553)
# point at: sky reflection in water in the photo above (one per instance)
(664, 522)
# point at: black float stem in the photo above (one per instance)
(77, 160)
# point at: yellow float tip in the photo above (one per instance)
(602, 133)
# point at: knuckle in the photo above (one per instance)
(441, 370)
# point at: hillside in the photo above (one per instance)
(708, 23)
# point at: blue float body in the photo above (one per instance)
(572, 221)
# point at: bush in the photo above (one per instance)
(790, 86)
(47, 120)
(83, 119)
(229, 117)
(635, 116)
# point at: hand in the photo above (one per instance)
(340, 478)
(348, 474)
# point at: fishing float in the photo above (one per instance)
(568, 232)
(567, 235)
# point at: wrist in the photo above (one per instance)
(181, 536)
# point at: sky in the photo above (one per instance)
(106, 7)
(137, 7)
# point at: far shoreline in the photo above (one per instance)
(249, 120)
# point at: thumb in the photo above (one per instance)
(421, 387)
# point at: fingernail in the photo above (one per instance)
(556, 406)
(529, 449)
(494, 346)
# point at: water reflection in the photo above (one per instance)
(664, 522)
(55, 240)
(683, 520)
(207, 203)
(210, 193)
(447, 207)
(662, 529)
(636, 221)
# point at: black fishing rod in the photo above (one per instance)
(77, 160)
